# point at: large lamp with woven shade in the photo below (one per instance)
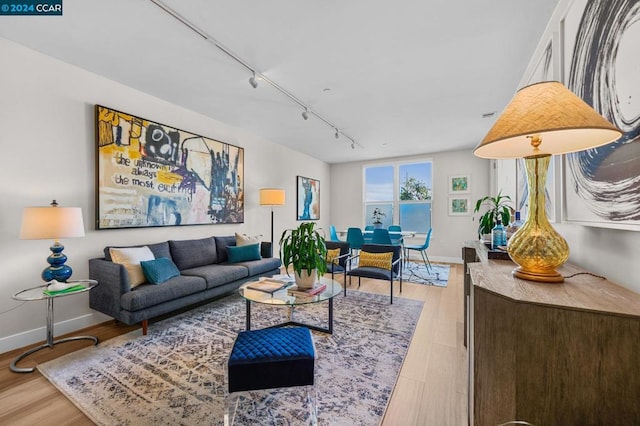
(272, 197)
(541, 120)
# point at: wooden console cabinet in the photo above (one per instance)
(552, 354)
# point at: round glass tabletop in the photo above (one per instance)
(36, 293)
(287, 296)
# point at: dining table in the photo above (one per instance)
(395, 236)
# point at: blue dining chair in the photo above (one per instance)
(368, 234)
(422, 249)
(381, 236)
(355, 238)
(333, 235)
(395, 234)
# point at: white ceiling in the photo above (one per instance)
(405, 77)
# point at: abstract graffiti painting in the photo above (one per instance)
(308, 200)
(149, 174)
(601, 40)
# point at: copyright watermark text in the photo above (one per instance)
(30, 7)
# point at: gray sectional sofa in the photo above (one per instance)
(205, 273)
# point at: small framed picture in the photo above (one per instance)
(459, 206)
(308, 198)
(459, 184)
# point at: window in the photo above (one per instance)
(401, 191)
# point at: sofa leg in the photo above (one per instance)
(145, 326)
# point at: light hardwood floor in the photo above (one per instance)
(431, 389)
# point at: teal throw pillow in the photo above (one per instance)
(159, 270)
(243, 253)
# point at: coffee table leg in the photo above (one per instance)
(248, 322)
(331, 316)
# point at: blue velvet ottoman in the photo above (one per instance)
(267, 359)
(271, 358)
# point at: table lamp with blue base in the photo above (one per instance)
(53, 222)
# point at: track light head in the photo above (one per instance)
(337, 135)
(305, 114)
(353, 145)
(252, 81)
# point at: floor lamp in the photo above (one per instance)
(272, 197)
(543, 119)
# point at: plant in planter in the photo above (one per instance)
(304, 248)
(497, 207)
(377, 215)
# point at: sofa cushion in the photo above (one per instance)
(159, 270)
(159, 250)
(131, 257)
(221, 247)
(148, 295)
(245, 240)
(261, 266)
(217, 275)
(189, 254)
(244, 253)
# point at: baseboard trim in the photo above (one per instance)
(37, 335)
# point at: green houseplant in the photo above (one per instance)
(498, 206)
(304, 248)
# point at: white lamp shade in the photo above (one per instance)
(45, 223)
(272, 197)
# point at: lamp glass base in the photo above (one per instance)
(536, 247)
(57, 270)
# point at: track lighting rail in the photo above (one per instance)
(255, 74)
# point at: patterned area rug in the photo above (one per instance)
(175, 374)
(417, 273)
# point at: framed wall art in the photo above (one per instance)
(602, 185)
(308, 198)
(459, 206)
(149, 174)
(459, 184)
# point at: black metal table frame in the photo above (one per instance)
(328, 330)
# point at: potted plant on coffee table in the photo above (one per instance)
(496, 207)
(304, 248)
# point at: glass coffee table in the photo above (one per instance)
(284, 298)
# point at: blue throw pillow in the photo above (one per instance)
(159, 270)
(243, 253)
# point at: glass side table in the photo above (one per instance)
(36, 293)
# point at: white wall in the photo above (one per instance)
(449, 232)
(47, 139)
